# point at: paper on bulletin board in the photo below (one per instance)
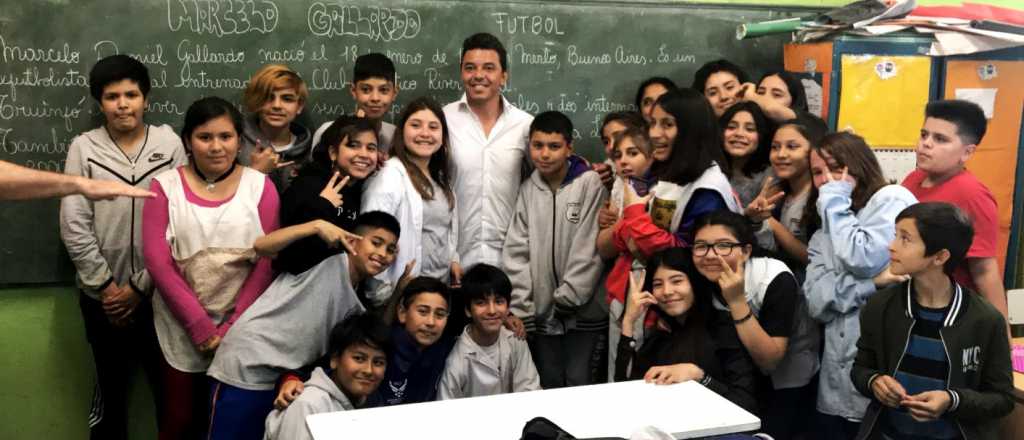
(882, 98)
(996, 159)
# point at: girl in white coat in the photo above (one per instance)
(415, 186)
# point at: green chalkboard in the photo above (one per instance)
(583, 58)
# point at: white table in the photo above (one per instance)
(685, 410)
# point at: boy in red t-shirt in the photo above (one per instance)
(951, 133)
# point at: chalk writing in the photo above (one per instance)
(10, 110)
(50, 77)
(575, 58)
(60, 55)
(166, 107)
(404, 57)
(200, 79)
(377, 24)
(526, 24)
(601, 104)
(222, 17)
(12, 146)
(190, 53)
(297, 55)
(666, 57)
(321, 79)
(436, 82)
(155, 55)
(546, 56)
(332, 110)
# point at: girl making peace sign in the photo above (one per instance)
(689, 342)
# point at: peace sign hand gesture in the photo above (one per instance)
(845, 177)
(332, 192)
(760, 209)
(637, 302)
(731, 281)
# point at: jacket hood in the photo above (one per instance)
(322, 381)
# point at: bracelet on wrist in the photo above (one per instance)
(750, 314)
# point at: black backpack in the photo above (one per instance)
(540, 428)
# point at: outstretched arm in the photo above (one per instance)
(20, 183)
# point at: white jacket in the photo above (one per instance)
(320, 395)
(470, 372)
(391, 190)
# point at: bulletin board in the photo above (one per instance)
(995, 86)
(882, 98)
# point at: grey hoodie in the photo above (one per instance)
(320, 395)
(299, 153)
(549, 253)
(104, 238)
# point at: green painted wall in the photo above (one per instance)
(46, 372)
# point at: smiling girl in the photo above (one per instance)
(415, 185)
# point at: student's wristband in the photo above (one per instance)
(750, 314)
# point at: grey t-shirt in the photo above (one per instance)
(747, 188)
(437, 224)
(287, 327)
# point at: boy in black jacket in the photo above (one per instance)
(932, 355)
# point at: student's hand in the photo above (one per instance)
(731, 281)
(607, 216)
(670, 374)
(290, 390)
(637, 302)
(886, 278)
(456, 275)
(605, 172)
(629, 195)
(382, 156)
(888, 391)
(760, 209)
(512, 322)
(634, 249)
(108, 189)
(264, 159)
(120, 305)
(210, 345)
(927, 406)
(845, 177)
(332, 192)
(360, 113)
(406, 275)
(747, 92)
(335, 236)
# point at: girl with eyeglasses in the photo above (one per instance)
(689, 342)
(760, 298)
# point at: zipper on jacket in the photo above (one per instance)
(906, 344)
(554, 222)
(949, 377)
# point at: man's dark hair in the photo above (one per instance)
(485, 41)
(483, 280)
(378, 220)
(364, 328)
(373, 65)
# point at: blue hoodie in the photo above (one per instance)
(412, 375)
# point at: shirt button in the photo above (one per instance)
(842, 334)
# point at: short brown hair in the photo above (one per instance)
(269, 78)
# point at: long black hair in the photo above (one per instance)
(758, 160)
(691, 334)
(698, 142)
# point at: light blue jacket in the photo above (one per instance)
(845, 255)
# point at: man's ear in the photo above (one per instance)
(941, 257)
(968, 152)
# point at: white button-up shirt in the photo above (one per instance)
(488, 171)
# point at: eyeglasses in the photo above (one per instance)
(722, 248)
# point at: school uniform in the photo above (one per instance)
(286, 328)
(490, 170)
(960, 349)
(302, 203)
(549, 256)
(384, 136)
(430, 230)
(320, 395)
(473, 370)
(199, 253)
(104, 241)
(298, 151)
(845, 255)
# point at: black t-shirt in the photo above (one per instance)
(302, 203)
(779, 306)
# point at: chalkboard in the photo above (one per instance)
(582, 58)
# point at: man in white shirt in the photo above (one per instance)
(489, 139)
